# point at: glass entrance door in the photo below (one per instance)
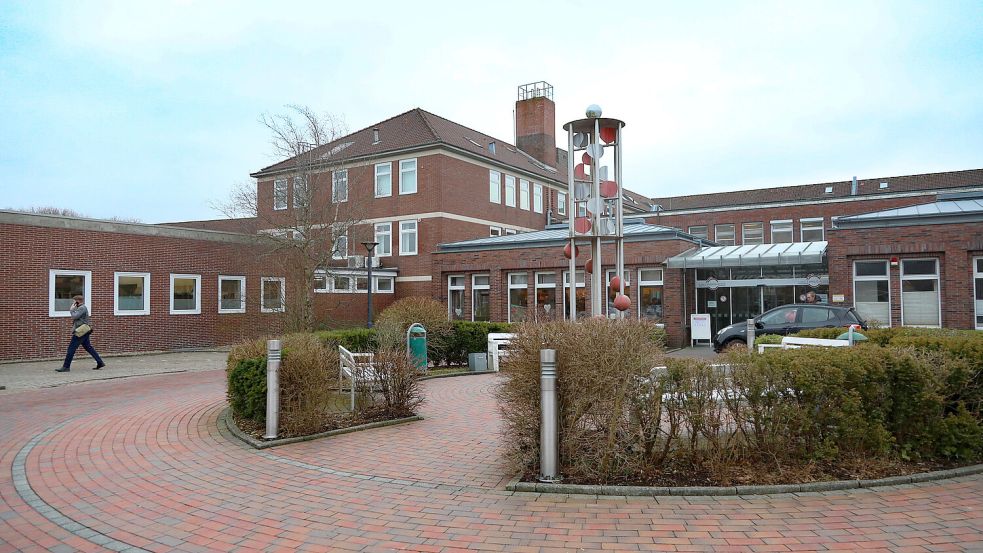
(746, 303)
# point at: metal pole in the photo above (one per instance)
(571, 217)
(849, 335)
(272, 387)
(548, 439)
(596, 278)
(750, 335)
(619, 224)
(369, 324)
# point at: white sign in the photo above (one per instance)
(711, 303)
(839, 297)
(699, 326)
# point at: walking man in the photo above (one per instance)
(81, 332)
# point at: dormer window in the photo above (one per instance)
(491, 147)
(829, 190)
(883, 186)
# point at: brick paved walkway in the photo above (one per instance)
(141, 464)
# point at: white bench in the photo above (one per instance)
(357, 367)
(498, 343)
(791, 342)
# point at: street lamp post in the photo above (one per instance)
(370, 246)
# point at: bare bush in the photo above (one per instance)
(396, 391)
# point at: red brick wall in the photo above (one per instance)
(953, 245)
(535, 123)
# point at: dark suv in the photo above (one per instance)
(789, 319)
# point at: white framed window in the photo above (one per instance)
(280, 194)
(510, 190)
(811, 230)
(407, 176)
(753, 233)
(273, 295)
(613, 293)
(339, 186)
(978, 290)
(384, 236)
(510, 232)
(231, 294)
(384, 284)
(781, 232)
(339, 248)
(132, 294)
(480, 298)
(321, 281)
(65, 285)
(724, 234)
(561, 203)
(185, 294)
(408, 237)
(545, 296)
(524, 194)
(494, 231)
(361, 284)
(872, 291)
(455, 297)
(537, 197)
(494, 187)
(300, 192)
(920, 294)
(341, 284)
(383, 180)
(518, 297)
(650, 306)
(699, 231)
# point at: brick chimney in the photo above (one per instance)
(535, 122)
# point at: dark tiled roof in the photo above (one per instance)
(244, 224)
(841, 189)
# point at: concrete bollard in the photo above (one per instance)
(548, 428)
(272, 387)
(750, 335)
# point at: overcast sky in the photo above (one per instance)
(149, 110)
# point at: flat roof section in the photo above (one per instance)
(949, 209)
(793, 253)
(553, 236)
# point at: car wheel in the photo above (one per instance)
(734, 344)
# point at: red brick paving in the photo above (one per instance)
(144, 462)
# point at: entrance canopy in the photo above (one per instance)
(793, 253)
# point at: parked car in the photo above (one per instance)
(788, 319)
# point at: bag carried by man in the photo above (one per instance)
(82, 330)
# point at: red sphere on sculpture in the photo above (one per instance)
(608, 134)
(621, 302)
(566, 251)
(589, 266)
(616, 283)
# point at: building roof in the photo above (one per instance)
(794, 253)
(840, 189)
(559, 234)
(950, 208)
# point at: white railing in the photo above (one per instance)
(358, 367)
(498, 343)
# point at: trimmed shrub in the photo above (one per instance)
(470, 337)
(398, 385)
(392, 323)
(352, 339)
(768, 339)
(247, 389)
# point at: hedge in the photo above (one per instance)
(470, 337)
(247, 389)
(352, 339)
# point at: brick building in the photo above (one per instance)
(477, 222)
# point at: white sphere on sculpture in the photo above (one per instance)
(593, 111)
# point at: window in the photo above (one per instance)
(407, 238)
(321, 282)
(510, 232)
(753, 233)
(494, 187)
(384, 236)
(699, 231)
(272, 295)
(724, 234)
(781, 232)
(524, 194)
(545, 296)
(828, 190)
(780, 317)
(920, 292)
(339, 247)
(978, 284)
(232, 294)
(341, 284)
(383, 180)
(510, 190)
(613, 293)
(455, 297)
(581, 295)
(518, 297)
(361, 284)
(185, 294)
(339, 186)
(132, 295)
(280, 194)
(480, 298)
(407, 176)
(650, 294)
(300, 192)
(494, 231)
(561, 203)
(537, 197)
(817, 315)
(384, 285)
(871, 291)
(811, 230)
(65, 285)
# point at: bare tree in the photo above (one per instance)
(67, 212)
(311, 235)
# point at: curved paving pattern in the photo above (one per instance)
(143, 465)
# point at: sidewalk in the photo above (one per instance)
(41, 374)
(699, 352)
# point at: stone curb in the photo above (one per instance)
(449, 375)
(265, 444)
(222, 349)
(646, 491)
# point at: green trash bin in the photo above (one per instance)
(416, 345)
